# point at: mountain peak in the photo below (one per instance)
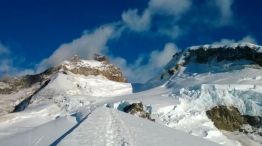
(75, 58)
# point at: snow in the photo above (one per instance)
(112, 128)
(230, 45)
(15, 123)
(42, 135)
(9, 101)
(63, 84)
(4, 85)
(85, 63)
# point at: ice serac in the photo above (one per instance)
(207, 76)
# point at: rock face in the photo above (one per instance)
(99, 66)
(230, 119)
(19, 89)
(137, 109)
(235, 52)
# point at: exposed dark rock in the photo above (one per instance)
(226, 118)
(230, 119)
(202, 55)
(22, 105)
(17, 83)
(137, 109)
(254, 121)
(101, 58)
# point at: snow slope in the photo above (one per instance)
(108, 127)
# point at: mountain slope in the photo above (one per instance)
(194, 83)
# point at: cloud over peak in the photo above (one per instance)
(85, 46)
(155, 61)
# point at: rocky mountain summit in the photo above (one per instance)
(16, 90)
(99, 66)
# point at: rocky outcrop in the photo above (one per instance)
(226, 118)
(99, 66)
(14, 84)
(230, 119)
(254, 121)
(18, 91)
(101, 58)
(137, 109)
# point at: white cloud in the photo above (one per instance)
(142, 22)
(224, 8)
(85, 46)
(169, 7)
(135, 21)
(173, 32)
(174, 10)
(248, 39)
(5, 62)
(7, 66)
(23, 72)
(3, 49)
(139, 72)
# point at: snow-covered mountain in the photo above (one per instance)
(17, 92)
(206, 95)
(212, 76)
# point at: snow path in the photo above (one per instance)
(102, 127)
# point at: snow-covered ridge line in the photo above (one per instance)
(258, 48)
(85, 63)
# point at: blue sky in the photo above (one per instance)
(140, 36)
